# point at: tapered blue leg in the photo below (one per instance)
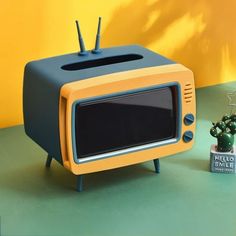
(48, 161)
(157, 165)
(79, 183)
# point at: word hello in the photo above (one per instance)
(223, 158)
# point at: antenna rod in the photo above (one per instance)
(82, 52)
(97, 49)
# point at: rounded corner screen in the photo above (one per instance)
(119, 122)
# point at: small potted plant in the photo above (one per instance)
(223, 155)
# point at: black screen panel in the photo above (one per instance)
(124, 121)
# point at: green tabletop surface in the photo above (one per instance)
(184, 199)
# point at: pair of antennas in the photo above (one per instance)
(96, 49)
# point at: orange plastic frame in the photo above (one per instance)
(121, 82)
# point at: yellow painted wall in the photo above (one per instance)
(200, 34)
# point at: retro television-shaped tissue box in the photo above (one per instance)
(109, 108)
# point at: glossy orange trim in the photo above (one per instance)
(121, 82)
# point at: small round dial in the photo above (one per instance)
(187, 136)
(188, 119)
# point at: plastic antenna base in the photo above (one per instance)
(84, 53)
(96, 51)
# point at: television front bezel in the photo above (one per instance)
(122, 82)
(137, 147)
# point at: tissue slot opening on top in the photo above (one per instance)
(101, 62)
